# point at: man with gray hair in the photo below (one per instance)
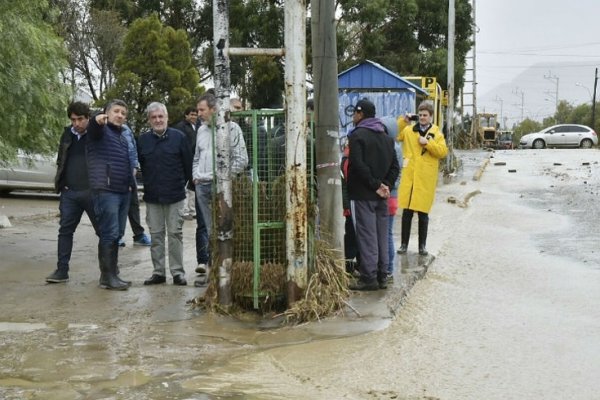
(166, 161)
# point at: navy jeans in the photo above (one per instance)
(202, 256)
(111, 211)
(72, 205)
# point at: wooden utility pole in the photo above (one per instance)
(327, 150)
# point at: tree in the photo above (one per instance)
(252, 23)
(407, 36)
(34, 99)
(526, 126)
(154, 65)
(94, 38)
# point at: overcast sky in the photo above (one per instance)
(520, 42)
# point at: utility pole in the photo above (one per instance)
(498, 99)
(520, 93)
(594, 100)
(450, 109)
(326, 121)
(296, 193)
(473, 80)
(553, 78)
(224, 200)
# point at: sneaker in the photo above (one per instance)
(58, 276)
(144, 240)
(121, 242)
(423, 251)
(201, 268)
(179, 280)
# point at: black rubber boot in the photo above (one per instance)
(405, 233)
(108, 256)
(423, 225)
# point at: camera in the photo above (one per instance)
(413, 117)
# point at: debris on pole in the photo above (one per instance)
(224, 195)
(296, 168)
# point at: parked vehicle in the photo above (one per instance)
(563, 135)
(28, 171)
(485, 126)
(505, 140)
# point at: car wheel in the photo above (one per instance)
(586, 144)
(538, 144)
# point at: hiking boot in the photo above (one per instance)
(143, 240)
(156, 280)
(366, 286)
(58, 276)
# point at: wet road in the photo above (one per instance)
(507, 311)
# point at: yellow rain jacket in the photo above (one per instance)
(420, 167)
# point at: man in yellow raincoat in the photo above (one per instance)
(423, 147)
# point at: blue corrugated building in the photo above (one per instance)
(392, 95)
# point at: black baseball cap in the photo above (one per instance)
(366, 107)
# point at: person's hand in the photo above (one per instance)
(101, 119)
(423, 141)
(383, 191)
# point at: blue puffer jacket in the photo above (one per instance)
(166, 163)
(109, 167)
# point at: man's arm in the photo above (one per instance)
(239, 154)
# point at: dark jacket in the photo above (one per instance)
(189, 131)
(166, 163)
(109, 167)
(372, 160)
(61, 161)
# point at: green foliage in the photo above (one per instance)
(34, 99)
(154, 65)
(407, 36)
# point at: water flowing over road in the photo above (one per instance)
(508, 310)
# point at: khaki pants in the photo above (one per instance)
(167, 218)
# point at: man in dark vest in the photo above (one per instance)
(72, 183)
(111, 181)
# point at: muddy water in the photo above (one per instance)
(508, 310)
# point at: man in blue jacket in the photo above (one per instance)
(166, 159)
(372, 172)
(111, 179)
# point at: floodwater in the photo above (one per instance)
(509, 310)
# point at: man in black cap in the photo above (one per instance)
(372, 171)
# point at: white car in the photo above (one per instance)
(28, 172)
(564, 135)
